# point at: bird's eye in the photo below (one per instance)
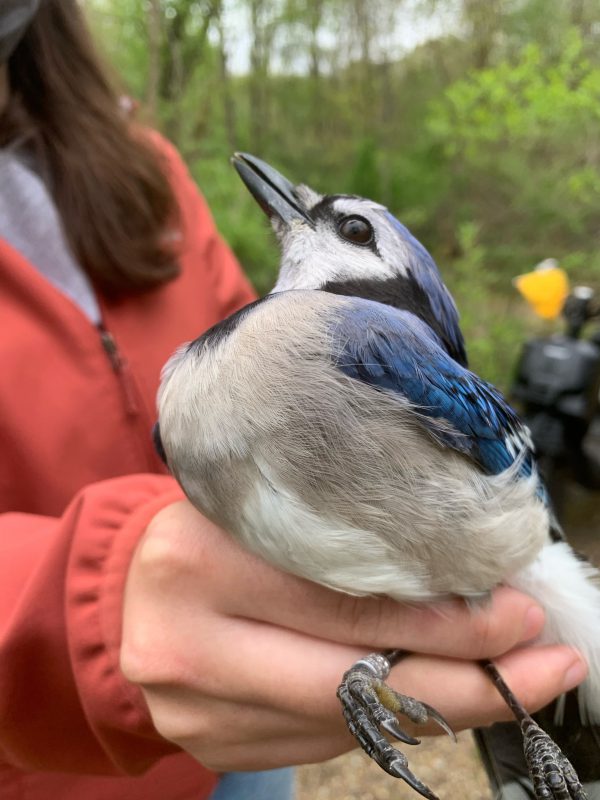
(356, 229)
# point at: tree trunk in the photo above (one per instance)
(225, 81)
(154, 28)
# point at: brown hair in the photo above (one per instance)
(106, 178)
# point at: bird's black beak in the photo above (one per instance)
(274, 194)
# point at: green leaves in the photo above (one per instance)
(479, 129)
(523, 101)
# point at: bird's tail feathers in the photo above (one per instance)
(568, 588)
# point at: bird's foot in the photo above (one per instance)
(370, 707)
(551, 772)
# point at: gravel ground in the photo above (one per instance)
(452, 771)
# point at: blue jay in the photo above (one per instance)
(334, 428)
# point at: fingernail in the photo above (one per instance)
(533, 623)
(575, 674)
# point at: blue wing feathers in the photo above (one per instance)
(393, 350)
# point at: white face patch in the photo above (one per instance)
(313, 257)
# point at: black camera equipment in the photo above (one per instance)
(556, 387)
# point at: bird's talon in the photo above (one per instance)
(437, 717)
(370, 706)
(402, 771)
(392, 727)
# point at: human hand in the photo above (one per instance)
(239, 663)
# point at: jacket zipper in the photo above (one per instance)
(130, 394)
(121, 369)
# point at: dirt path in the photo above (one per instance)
(452, 770)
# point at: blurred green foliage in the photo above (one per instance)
(476, 123)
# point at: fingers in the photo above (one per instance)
(466, 696)
(450, 628)
(252, 663)
(226, 734)
(279, 752)
(253, 738)
(460, 690)
(193, 721)
(185, 547)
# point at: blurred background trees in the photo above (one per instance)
(477, 122)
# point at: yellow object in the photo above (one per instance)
(545, 289)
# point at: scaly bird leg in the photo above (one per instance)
(551, 772)
(369, 705)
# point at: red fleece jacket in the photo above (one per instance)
(79, 481)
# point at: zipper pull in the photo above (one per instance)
(110, 346)
(121, 368)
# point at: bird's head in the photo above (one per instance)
(353, 246)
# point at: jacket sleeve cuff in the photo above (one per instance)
(111, 526)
